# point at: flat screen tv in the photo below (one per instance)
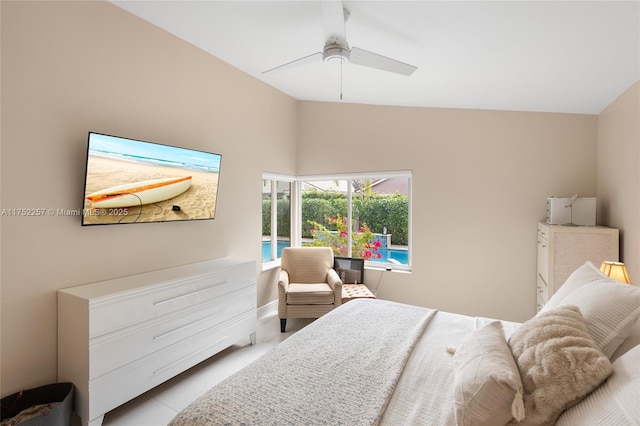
(133, 181)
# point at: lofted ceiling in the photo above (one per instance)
(552, 56)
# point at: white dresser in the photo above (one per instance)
(563, 249)
(121, 337)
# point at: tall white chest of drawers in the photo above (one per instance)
(563, 249)
(121, 337)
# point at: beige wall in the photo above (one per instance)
(619, 175)
(72, 67)
(480, 182)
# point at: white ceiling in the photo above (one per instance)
(556, 56)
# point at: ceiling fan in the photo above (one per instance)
(334, 16)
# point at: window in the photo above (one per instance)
(365, 216)
(276, 215)
(360, 216)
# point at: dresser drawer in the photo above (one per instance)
(543, 259)
(113, 389)
(540, 302)
(117, 311)
(113, 350)
(543, 291)
(543, 231)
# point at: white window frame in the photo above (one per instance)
(296, 211)
(274, 178)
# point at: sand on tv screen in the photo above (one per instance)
(132, 181)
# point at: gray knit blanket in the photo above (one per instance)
(339, 370)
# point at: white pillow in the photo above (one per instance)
(609, 308)
(632, 340)
(616, 401)
(487, 385)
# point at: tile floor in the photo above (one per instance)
(158, 406)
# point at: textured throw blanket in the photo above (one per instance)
(339, 370)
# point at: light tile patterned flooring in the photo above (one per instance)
(158, 406)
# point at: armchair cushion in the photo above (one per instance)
(310, 294)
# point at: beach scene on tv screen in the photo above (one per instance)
(130, 181)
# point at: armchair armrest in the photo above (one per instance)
(335, 283)
(333, 279)
(284, 279)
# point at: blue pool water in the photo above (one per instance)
(266, 249)
(388, 255)
(393, 256)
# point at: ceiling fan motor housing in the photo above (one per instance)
(335, 51)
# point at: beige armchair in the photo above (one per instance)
(309, 287)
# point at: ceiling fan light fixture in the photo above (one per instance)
(335, 52)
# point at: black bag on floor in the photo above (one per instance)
(48, 405)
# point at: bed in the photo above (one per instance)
(370, 361)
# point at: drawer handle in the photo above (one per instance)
(182, 296)
(169, 333)
(191, 355)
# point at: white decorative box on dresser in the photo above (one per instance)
(563, 249)
(121, 337)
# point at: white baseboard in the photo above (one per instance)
(268, 309)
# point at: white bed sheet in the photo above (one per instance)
(424, 393)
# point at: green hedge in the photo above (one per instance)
(375, 210)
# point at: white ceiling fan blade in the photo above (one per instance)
(314, 57)
(373, 60)
(333, 22)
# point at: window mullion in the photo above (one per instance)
(296, 214)
(410, 219)
(274, 219)
(349, 218)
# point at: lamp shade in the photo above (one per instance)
(615, 270)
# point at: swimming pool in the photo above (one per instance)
(266, 249)
(398, 256)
